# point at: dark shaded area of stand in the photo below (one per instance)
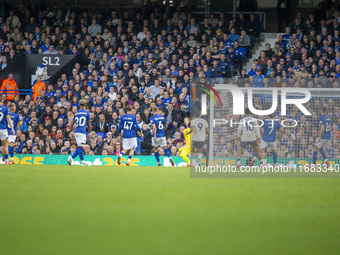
(25, 66)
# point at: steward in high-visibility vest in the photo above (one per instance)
(9, 87)
(38, 86)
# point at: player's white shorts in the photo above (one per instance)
(80, 138)
(129, 143)
(11, 138)
(321, 143)
(160, 142)
(3, 134)
(271, 145)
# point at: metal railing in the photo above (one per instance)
(262, 17)
(15, 92)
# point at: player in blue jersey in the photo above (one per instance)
(5, 121)
(270, 128)
(159, 126)
(16, 125)
(326, 124)
(80, 120)
(127, 128)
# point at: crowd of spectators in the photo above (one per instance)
(148, 58)
(307, 55)
(143, 58)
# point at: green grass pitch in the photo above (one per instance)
(161, 210)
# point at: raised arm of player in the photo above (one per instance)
(9, 121)
(154, 130)
(322, 130)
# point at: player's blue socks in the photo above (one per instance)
(11, 151)
(130, 157)
(6, 157)
(323, 154)
(81, 154)
(274, 158)
(315, 156)
(76, 153)
(157, 156)
(167, 152)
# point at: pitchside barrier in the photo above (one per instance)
(42, 159)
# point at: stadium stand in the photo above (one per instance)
(143, 60)
(148, 59)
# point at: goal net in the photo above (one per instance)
(296, 138)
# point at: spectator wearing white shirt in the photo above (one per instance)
(112, 94)
(13, 18)
(51, 50)
(155, 88)
(142, 35)
(94, 28)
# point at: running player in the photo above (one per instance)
(81, 119)
(326, 124)
(270, 127)
(127, 128)
(250, 136)
(5, 121)
(159, 126)
(199, 127)
(16, 125)
(185, 150)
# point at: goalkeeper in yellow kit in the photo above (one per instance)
(185, 150)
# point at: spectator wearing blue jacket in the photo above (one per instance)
(228, 43)
(208, 73)
(233, 36)
(240, 55)
(258, 78)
